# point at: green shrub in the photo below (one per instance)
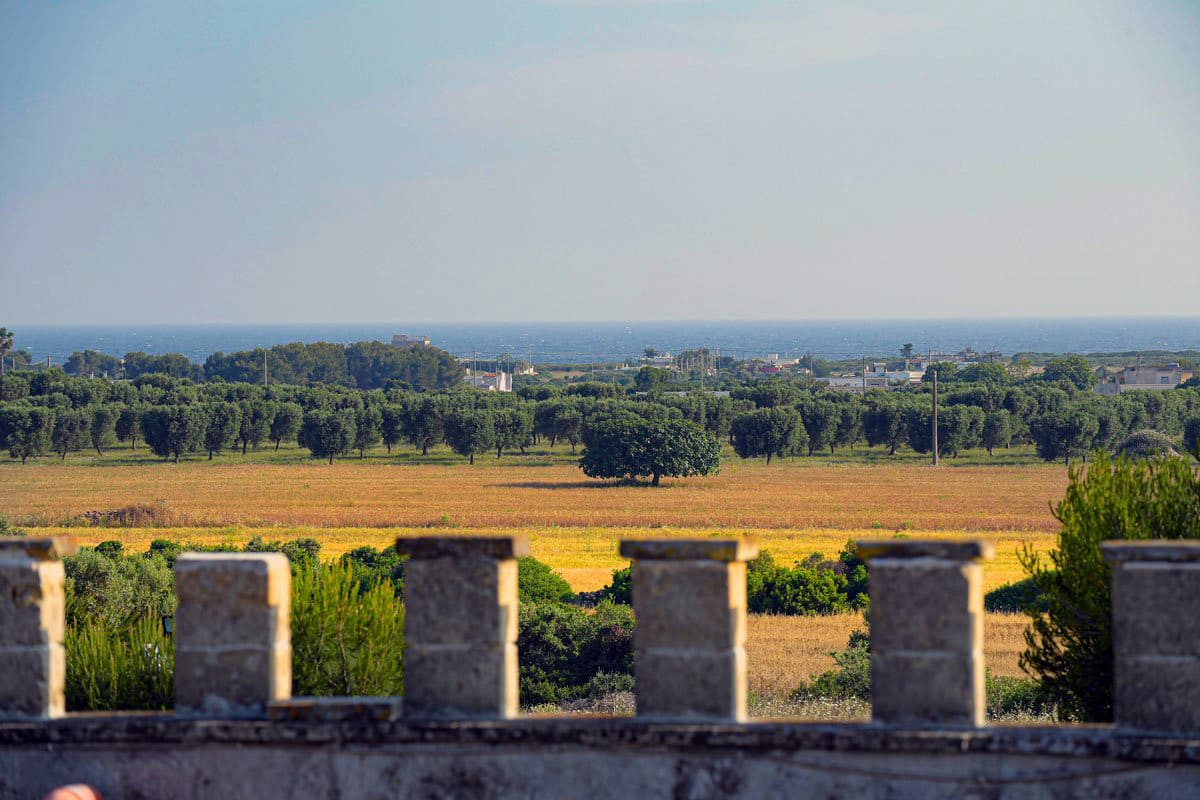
(620, 589)
(345, 641)
(564, 650)
(117, 589)
(814, 586)
(1010, 697)
(850, 679)
(119, 667)
(1014, 598)
(537, 583)
(1069, 647)
(7, 529)
(372, 567)
(1147, 444)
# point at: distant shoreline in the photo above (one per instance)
(587, 342)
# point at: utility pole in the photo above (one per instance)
(266, 377)
(935, 419)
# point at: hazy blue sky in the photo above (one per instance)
(593, 159)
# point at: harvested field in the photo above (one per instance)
(790, 495)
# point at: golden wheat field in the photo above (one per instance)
(792, 509)
(784, 495)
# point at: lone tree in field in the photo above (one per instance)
(627, 446)
(327, 433)
(470, 433)
(769, 432)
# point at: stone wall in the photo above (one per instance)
(236, 732)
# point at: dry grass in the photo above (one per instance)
(788, 495)
(785, 651)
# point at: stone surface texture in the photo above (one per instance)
(689, 549)
(1156, 635)
(927, 633)
(32, 624)
(460, 627)
(690, 601)
(950, 549)
(151, 755)
(233, 651)
(497, 547)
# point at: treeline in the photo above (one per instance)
(623, 436)
(362, 365)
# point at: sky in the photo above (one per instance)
(288, 161)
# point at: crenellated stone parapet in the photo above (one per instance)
(237, 732)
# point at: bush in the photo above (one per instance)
(1069, 647)
(814, 586)
(620, 589)
(851, 679)
(345, 641)
(1014, 598)
(116, 589)
(372, 567)
(537, 583)
(7, 529)
(1147, 444)
(1011, 697)
(564, 650)
(119, 667)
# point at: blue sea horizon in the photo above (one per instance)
(584, 342)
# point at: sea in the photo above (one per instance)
(589, 342)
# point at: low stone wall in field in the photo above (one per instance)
(235, 731)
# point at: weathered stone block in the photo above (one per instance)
(497, 547)
(689, 549)
(697, 604)
(219, 580)
(233, 681)
(684, 684)
(460, 601)
(1156, 693)
(460, 681)
(232, 633)
(1156, 608)
(31, 602)
(31, 681)
(926, 604)
(39, 548)
(949, 549)
(927, 688)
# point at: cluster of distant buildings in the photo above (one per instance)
(1140, 378)
(877, 375)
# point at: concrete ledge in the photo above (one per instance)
(1163, 550)
(159, 729)
(336, 709)
(498, 547)
(689, 549)
(950, 549)
(39, 548)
